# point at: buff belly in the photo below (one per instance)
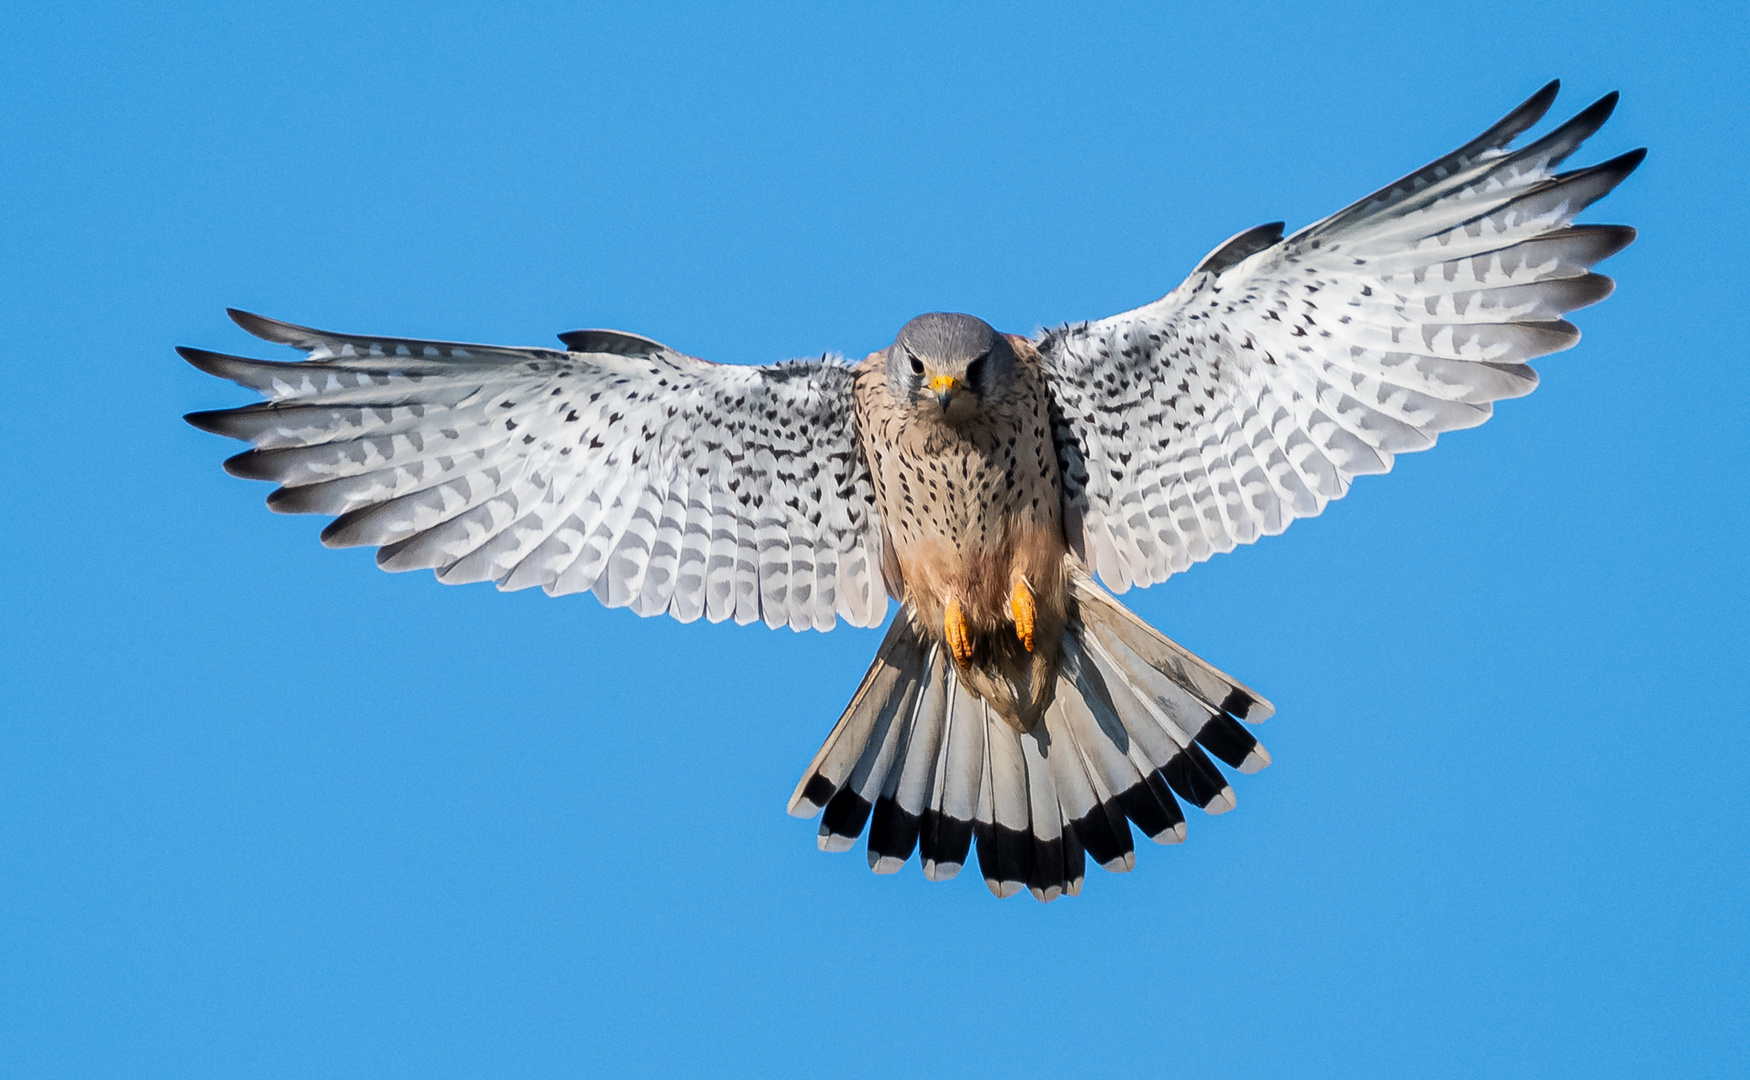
(1016, 681)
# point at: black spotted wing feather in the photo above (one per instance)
(1256, 391)
(655, 480)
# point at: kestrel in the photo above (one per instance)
(981, 479)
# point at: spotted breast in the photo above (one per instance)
(970, 508)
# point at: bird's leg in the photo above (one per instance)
(954, 628)
(1021, 603)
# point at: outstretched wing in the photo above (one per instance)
(1251, 394)
(659, 482)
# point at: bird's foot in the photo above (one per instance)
(1021, 603)
(954, 628)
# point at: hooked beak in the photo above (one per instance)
(944, 387)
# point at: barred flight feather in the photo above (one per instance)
(1281, 369)
(622, 468)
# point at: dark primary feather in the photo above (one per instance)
(1500, 134)
(612, 342)
(1240, 246)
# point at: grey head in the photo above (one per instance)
(949, 361)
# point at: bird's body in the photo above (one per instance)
(970, 507)
(981, 479)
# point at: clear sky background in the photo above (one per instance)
(265, 811)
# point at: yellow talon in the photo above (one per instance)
(1021, 603)
(954, 628)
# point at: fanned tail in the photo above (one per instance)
(926, 766)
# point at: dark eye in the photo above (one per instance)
(917, 366)
(974, 371)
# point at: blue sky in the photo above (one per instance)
(265, 811)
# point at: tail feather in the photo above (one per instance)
(1093, 824)
(1005, 846)
(1051, 875)
(946, 835)
(1131, 738)
(1110, 770)
(893, 828)
(845, 814)
(1157, 741)
(1074, 856)
(1111, 620)
(848, 811)
(929, 767)
(1234, 745)
(1183, 690)
(836, 758)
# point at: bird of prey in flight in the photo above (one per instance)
(982, 480)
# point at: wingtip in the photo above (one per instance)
(336, 535)
(1524, 116)
(207, 420)
(200, 358)
(249, 321)
(1594, 115)
(247, 466)
(1617, 169)
(237, 369)
(277, 331)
